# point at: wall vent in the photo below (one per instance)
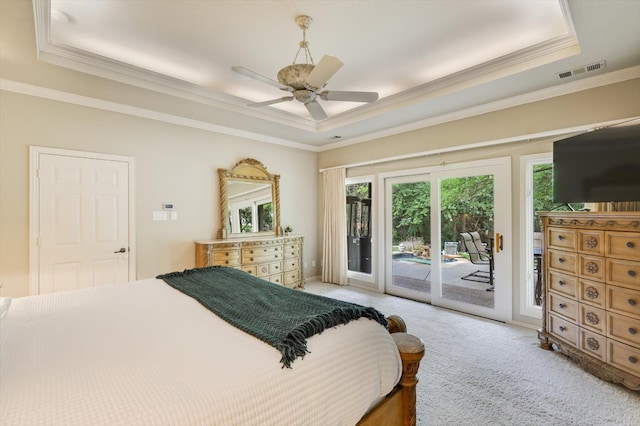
(584, 69)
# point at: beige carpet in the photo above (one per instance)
(481, 372)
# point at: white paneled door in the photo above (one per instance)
(82, 222)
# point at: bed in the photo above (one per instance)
(147, 352)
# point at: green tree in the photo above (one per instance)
(411, 211)
(543, 194)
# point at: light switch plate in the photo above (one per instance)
(161, 215)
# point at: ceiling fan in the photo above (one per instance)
(305, 81)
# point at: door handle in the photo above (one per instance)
(122, 250)
(498, 242)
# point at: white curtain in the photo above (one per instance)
(334, 244)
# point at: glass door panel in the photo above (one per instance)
(467, 239)
(472, 231)
(409, 234)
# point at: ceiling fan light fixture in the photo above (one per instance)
(295, 75)
(304, 81)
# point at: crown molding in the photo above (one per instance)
(539, 95)
(74, 99)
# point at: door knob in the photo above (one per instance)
(122, 250)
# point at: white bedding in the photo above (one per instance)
(144, 353)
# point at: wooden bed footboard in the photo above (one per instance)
(398, 408)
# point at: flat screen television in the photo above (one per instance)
(598, 166)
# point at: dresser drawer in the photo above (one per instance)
(276, 279)
(291, 277)
(231, 263)
(593, 293)
(563, 261)
(591, 242)
(275, 267)
(591, 267)
(263, 270)
(594, 344)
(291, 245)
(291, 252)
(594, 319)
(623, 356)
(563, 306)
(623, 245)
(623, 301)
(291, 264)
(256, 254)
(251, 269)
(624, 329)
(561, 238)
(564, 329)
(226, 257)
(624, 273)
(565, 284)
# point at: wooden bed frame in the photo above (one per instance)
(398, 408)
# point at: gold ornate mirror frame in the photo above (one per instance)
(248, 170)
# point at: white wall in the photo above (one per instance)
(50, 106)
(172, 163)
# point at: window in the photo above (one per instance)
(359, 235)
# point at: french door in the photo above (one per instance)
(427, 212)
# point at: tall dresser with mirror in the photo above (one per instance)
(250, 236)
(591, 305)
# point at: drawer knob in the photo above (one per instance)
(632, 330)
(631, 273)
(633, 359)
(561, 260)
(631, 302)
(562, 328)
(561, 282)
(630, 244)
(561, 237)
(562, 305)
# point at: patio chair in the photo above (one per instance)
(478, 255)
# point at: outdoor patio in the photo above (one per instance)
(416, 275)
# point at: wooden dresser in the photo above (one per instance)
(275, 259)
(591, 305)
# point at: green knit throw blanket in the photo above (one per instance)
(282, 317)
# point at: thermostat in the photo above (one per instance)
(167, 206)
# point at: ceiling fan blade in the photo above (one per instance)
(347, 96)
(256, 76)
(271, 102)
(322, 72)
(316, 111)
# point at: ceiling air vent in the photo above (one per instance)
(584, 69)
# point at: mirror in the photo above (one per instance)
(249, 200)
